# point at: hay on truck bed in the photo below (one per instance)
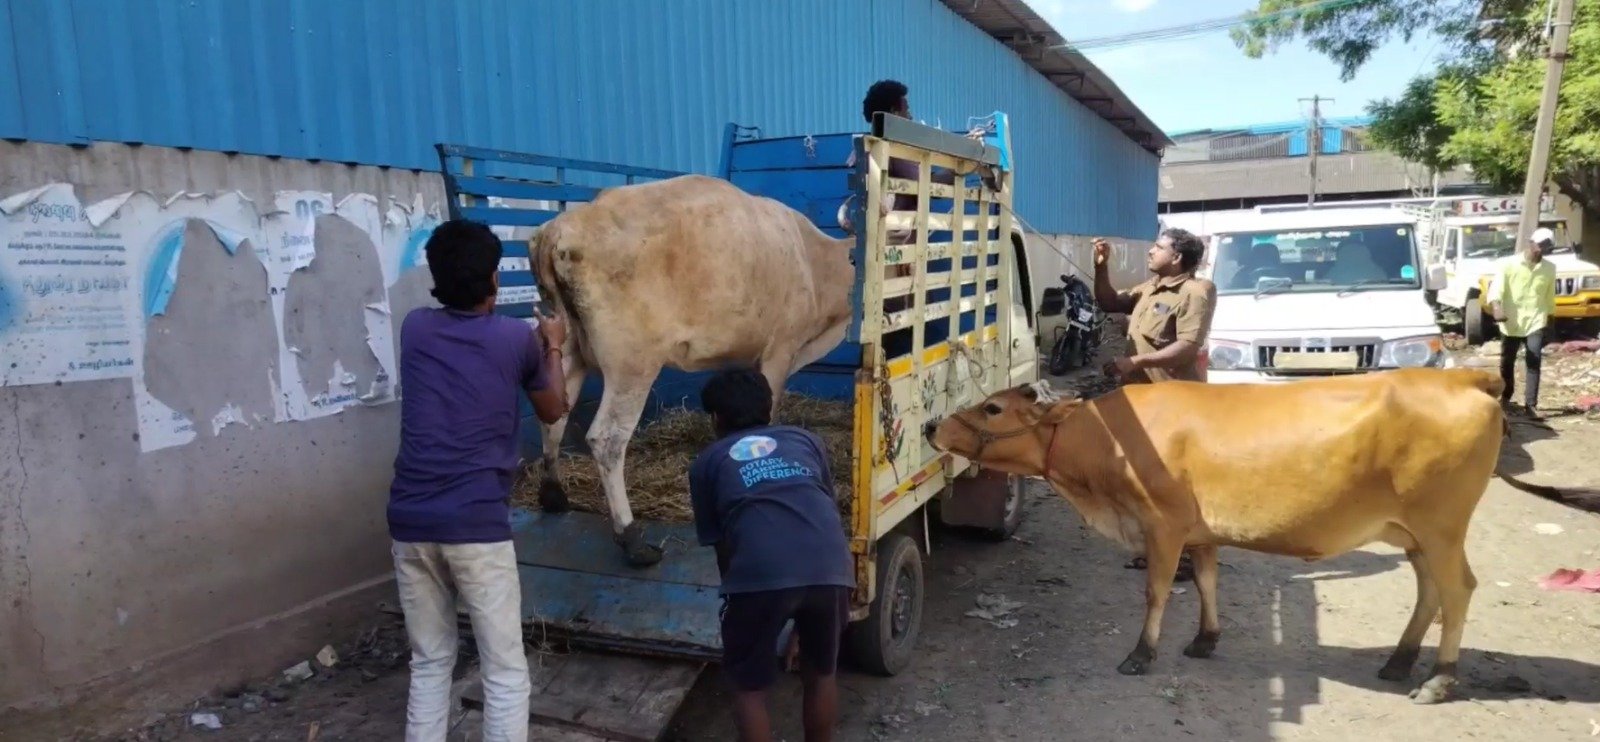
(659, 455)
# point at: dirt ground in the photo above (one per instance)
(1298, 659)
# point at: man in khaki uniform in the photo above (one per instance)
(1169, 318)
(1169, 315)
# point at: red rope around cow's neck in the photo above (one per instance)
(1050, 449)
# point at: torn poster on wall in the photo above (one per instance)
(80, 286)
(63, 283)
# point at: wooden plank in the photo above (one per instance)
(613, 696)
(470, 729)
(937, 190)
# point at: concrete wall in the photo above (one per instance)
(123, 567)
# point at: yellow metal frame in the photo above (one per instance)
(894, 471)
(1581, 305)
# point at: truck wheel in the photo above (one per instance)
(1472, 321)
(1015, 490)
(882, 643)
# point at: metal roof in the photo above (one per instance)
(1350, 172)
(648, 84)
(1032, 37)
(1274, 127)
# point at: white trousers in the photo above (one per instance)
(484, 577)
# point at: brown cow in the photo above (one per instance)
(690, 273)
(1312, 469)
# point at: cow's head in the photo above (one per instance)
(1007, 431)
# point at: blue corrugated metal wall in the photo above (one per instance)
(645, 83)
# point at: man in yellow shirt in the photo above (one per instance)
(1522, 298)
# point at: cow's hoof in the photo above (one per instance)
(1436, 690)
(1395, 673)
(552, 498)
(1134, 666)
(1399, 665)
(1202, 647)
(640, 553)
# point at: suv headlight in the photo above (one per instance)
(1226, 355)
(1590, 283)
(1413, 352)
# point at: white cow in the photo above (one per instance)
(690, 273)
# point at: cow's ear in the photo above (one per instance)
(1059, 411)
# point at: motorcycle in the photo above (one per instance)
(1077, 342)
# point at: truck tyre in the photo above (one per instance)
(1015, 491)
(883, 642)
(1472, 322)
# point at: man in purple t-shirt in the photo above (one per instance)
(463, 370)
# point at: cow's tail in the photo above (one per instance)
(553, 289)
(1587, 498)
(1489, 382)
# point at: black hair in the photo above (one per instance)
(463, 257)
(737, 399)
(885, 96)
(1189, 247)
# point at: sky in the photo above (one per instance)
(1206, 82)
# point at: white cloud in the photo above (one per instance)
(1132, 6)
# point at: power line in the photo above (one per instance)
(1198, 28)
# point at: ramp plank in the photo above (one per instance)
(611, 696)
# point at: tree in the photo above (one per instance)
(1409, 127)
(1479, 107)
(1349, 31)
(1492, 114)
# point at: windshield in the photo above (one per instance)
(1500, 240)
(1317, 259)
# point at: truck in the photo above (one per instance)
(1470, 236)
(965, 329)
(1317, 292)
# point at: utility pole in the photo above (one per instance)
(1314, 143)
(1543, 131)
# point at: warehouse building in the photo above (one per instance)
(195, 493)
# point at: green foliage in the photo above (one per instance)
(1349, 32)
(1409, 127)
(1493, 113)
(1480, 106)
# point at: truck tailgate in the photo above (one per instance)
(575, 585)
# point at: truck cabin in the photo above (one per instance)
(1490, 238)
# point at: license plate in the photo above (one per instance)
(1085, 315)
(1294, 359)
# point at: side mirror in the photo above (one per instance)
(1434, 279)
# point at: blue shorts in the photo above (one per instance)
(752, 623)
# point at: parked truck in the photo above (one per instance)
(965, 329)
(1470, 237)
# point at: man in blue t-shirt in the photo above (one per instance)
(464, 369)
(763, 496)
